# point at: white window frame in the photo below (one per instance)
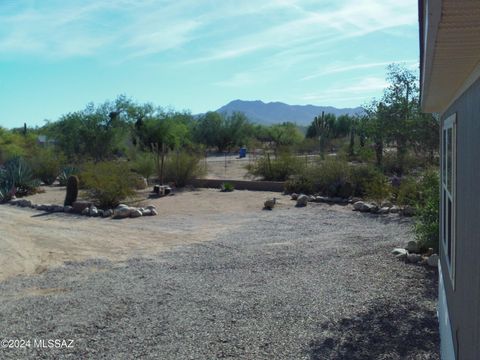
(449, 123)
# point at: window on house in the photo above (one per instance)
(448, 191)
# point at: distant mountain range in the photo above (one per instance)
(277, 112)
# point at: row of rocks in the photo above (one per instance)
(88, 209)
(123, 211)
(403, 254)
(322, 199)
(358, 204)
(383, 209)
(411, 254)
(21, 202)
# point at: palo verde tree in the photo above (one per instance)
(284, 135)
(222, 131)
(163, 131)
(97, 132)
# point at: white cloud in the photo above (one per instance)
(215, 30)
(361, 89)
(337, 68)
(352, 19)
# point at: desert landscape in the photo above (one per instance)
(215, 274)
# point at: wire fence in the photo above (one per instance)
(233, 167)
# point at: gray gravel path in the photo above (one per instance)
(310, 283)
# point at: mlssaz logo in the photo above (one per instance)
(53, 344)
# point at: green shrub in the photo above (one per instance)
(366, 153)
(16, 178)
(144, 164)
(408, 192)
(108, 183)
(362, 176)
(299, 184)
(379, 189)
(427, 215)
(46, 165)
(278, 169)
(65, 173)
(181, 167)
(331, 177)
(227, 187)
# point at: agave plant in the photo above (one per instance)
(17, 178)
(6, 186)
(66, 173)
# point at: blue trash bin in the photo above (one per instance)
(242, 153)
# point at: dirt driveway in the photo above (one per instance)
(32, 241)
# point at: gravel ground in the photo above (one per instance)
(309, 283)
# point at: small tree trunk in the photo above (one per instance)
(162, 163)
(379, 152)
(352, 142)
(401, 153)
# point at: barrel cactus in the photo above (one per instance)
(72, 190)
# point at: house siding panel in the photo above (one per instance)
(463, 297)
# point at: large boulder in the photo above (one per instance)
(412, 247)
(269, 204)
(135, 213)
(414, 258)
(361, 206)
(433, 260)
(384, 210)
(146, 212)
(121, 212)
(302, 200)
(107, 213)
(21, 202)
(79, 206)
(294, 196)
(400, 253)
(394, 209)
(93, 211)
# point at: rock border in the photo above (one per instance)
(411, 254)
(86, 208)
(357, 203)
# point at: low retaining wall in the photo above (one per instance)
(240, 184)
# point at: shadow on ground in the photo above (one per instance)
(385, 330)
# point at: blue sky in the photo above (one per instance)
(58, 55)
